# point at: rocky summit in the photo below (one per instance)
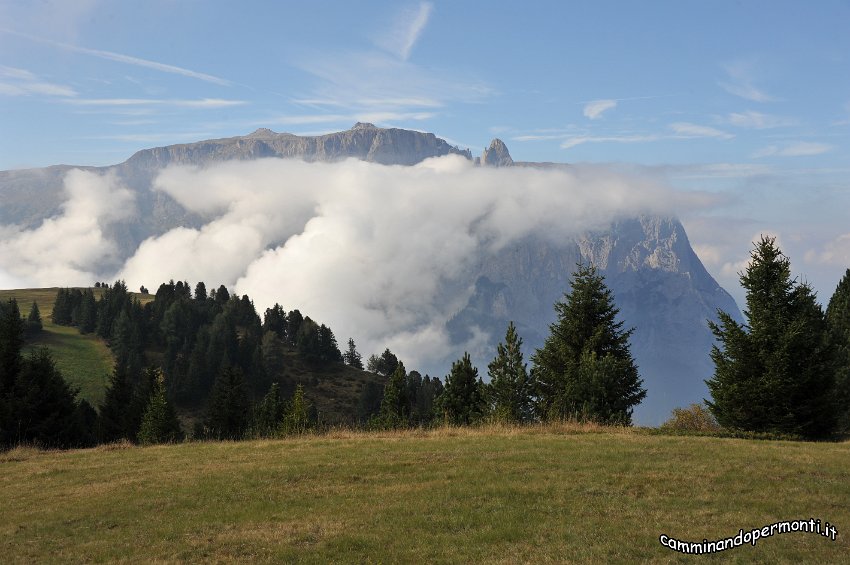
(659, 283)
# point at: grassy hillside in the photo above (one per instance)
(498, 495)
(84, 360)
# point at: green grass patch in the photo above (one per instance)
(85, 360)
(502, 495)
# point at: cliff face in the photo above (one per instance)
(659, 285)
(387, 146)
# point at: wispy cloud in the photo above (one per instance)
(373, 117)
(577, 140)
(120, 58)
(406, 30)
(741, 83)
(688, 130)
(21, 82)
(155, 137)
(835, 252)
(801, 149)
(202, 103)
(681, 130)
(596, 108)
(718, 170)
(757, 120)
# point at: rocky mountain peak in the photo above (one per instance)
(497, 155)
(363, 125)
(262, 132)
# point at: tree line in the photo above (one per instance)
(786, 370)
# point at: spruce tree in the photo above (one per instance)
(43, 404)
(114, 422)
(510, 390)
(268, 416)
(159, 422)
(297, 417)
(351, 357)
(227, 415)
(776, 373)
(33, 325)
(462, 400)
(585, 369)
(11, 341)
(838, 320)
(393, 413)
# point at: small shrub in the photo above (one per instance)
(695, 418)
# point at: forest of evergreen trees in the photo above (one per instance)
(208, 357)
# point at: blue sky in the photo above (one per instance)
(747, 100)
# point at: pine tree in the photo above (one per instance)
(297, 417)
(43, 404)
(384, 365)
(585, 368)
(268, 416)
(351, 357)
(227, 415)
(159, 422)
(462, 400)
(11, 341)
(33, 324)
(113, 422)
(838, 319)
(776, 373)
(510, 390)
(393, 413)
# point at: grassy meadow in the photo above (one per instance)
(497, 494)
(85, 360)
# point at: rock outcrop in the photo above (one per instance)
(497, 155)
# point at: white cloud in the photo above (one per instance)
(380, 253)
(202, 103)
(596, 108)
(69, 249)
(834, 253)
(693, 130)
(741, 82)
(409, 25)
(801, 149)
(757, 120)
(120, 58)
(574, 141)
(21, 82)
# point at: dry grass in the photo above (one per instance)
(565, 492)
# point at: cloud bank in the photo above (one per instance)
(70, 249)
(383, 254)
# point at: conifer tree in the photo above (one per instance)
(33, 325)
(227, 415)
(393, 413)
(297, 417)
(11, 341)
(351, 357)
(268, 416)
(776, 373)
(510, 390)
(462, 400)
(159, 421)
(585, 368)
(113, 422)
(838, 320)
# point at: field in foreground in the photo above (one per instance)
(495, 495)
